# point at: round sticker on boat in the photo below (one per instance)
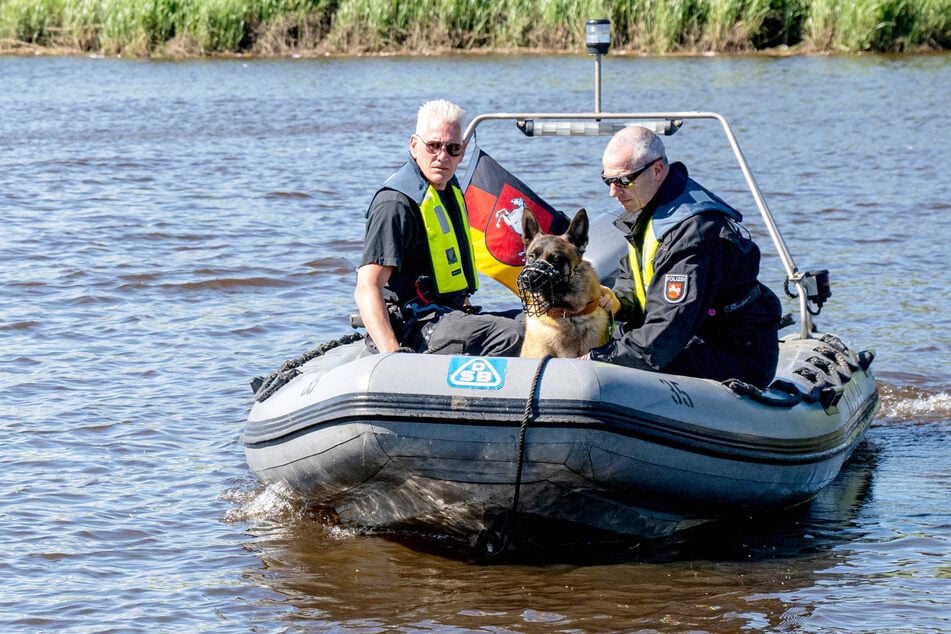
(480, 373)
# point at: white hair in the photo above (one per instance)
(439, 110)
(638, 144)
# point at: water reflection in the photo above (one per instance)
(716, 578)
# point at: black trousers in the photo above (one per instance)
(488, 334)
(495, 334)
(752, 360)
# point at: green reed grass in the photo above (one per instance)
(276, 27)
(879, 25)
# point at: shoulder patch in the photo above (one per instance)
(675, 288)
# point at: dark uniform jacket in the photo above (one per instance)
(726, 323)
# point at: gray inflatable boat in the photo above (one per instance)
(467, 446)
(456, 445)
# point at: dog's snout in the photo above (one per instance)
(537, 284)
(537, 275)
(532, 276)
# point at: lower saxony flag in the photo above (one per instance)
(496, 201)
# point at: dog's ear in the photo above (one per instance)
(577, 233)
(530, 227)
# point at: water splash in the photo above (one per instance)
(910, 403)
(271, 503)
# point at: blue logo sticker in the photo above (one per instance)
(479, 373)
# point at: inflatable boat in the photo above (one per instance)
(473, 447)
(464, 446)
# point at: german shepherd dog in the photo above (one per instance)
(561, 293)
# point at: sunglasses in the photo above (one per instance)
(626, 180)
(434, 147)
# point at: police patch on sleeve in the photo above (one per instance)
(675, 288)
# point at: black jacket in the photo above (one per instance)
(725, 309)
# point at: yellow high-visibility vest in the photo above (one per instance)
(445, 247)
(452, 255)
(641, 262)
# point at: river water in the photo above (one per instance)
(172, 229)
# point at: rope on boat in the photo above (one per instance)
(855, 360)
(264, 387)
(493, 541)
(531, 404)
(833, 364)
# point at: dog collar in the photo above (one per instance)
(564, 313)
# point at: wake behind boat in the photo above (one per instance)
(475, 448)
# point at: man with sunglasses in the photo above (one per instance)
(691, 303)
(418, 268)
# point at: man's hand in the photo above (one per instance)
(609, 300)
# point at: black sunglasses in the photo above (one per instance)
(626, 180)
(433, 147)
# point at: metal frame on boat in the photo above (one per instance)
(812, 285)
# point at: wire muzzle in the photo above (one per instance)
(538, 285)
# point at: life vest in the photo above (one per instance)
(693, 200)
(641, 262)
(450, 251)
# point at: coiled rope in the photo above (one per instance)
(264, 387)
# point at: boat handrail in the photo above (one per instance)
(661, 123)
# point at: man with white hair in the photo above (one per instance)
(418, 267)
(691, 303)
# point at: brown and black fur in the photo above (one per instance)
(575, 323)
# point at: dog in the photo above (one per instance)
(561, 293)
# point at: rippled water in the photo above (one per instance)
(173, 229)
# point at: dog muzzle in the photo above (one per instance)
(538, 284)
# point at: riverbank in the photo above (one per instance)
(21, 49)
(319, 28)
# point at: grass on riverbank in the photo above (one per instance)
(281, 27)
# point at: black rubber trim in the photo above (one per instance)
(380, 408)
